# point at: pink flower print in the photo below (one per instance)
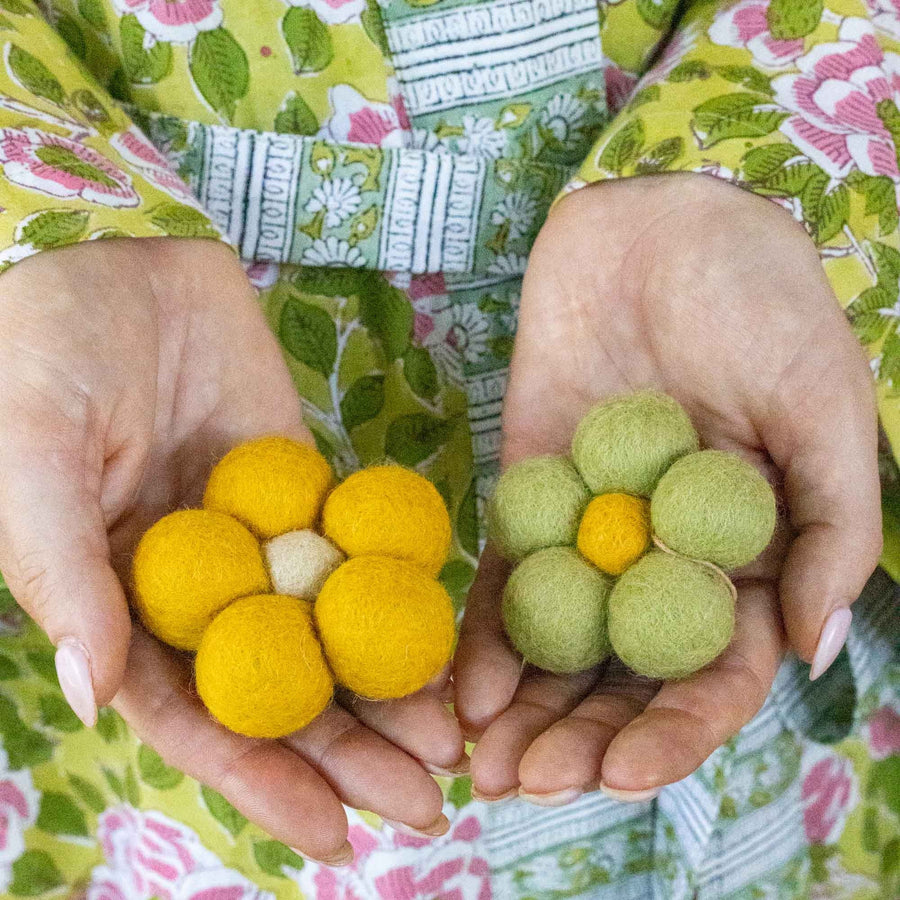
(827, 791)
(62, 168)
(262, 274)
(745, 25)
(884, 733)
(19, 802)
(137, 150)
(361, 121)
(840, 99)
(619, 87)
(177, 21)
(334, 12)
(886, 16)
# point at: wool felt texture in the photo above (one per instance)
(714, 506)
(537, 503)
(625, 444)
(670, 616)
(272, 485)
(187, 567)
(555, 611)
(387, 627)
(614, 531)
(260, 668)
(300, 562)
(389, 511)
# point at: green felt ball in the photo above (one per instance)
(670, 616)
(627, 443)
(716, 507)
(554, 608)
(537, 503)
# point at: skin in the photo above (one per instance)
(129, 367)
(718, 297)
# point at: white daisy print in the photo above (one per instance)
(468, 333)
(518, 211)
(563, 116)
(339, 198)
(332, 252)
(508, 264)
(481, 138)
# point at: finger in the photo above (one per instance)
(269, 783)
(689, 719)
(542, 699)
(54, 553)
(824, 438)
(486, 669)
(565, 761)
(368, 772)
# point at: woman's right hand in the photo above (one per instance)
(129, 368)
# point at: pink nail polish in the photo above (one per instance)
(831, 640)
(630, 796)
(73, 668)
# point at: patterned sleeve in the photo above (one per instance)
(74, 167)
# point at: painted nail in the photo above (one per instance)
(343, 857)
(73, 668)
(455, 771)
(438, 827)
(630, 796)
(496, 798)
(553, 798)
(831, 640)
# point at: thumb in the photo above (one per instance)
(54, 554)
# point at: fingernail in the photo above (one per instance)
(441, 825)
(496, 798)
(831, 640)
(630, 796)
(455, 771)
(73, 668)
(554, 798)
(343, 857)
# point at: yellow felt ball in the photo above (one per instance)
(614, 531)
(387, 628)
(389, 511)
(189, 566)
(272, 484)
(260, 669)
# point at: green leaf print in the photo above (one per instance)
(308, 39)
(420, 373)
(145, 62)
(460, 792)
(867, 313)
(110, 725)
(270, 856)
(131, 787)
(657, 13)
(24, 746)
(308, 334)
(34, 873)
(689, 70)
(750, 78)
(387, 315)
(363, 401)
(89, 794)
(43, 663)
(181, 221)
(623, 148)
(660, 156)
(33, 75)
(374, 27)
(8, 669)
(792, 19)
(222, 811)
(60, 815)
(219, 68)
(16, 7)
(832, 214)
(733, 116)
(881, 198)
(362, 225)
(761, 163)
(114, 781)
(467, 521)
(411, 439)
(456, 577)
(53, 228)
(155, 772)
(69, 30)
(92, 109)
(502, 346)
(6, 24)
(93, 13)
(56, 713)
(295, 117)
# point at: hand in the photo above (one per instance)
(129, 368)
(717, 297)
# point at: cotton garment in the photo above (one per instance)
(383, 169)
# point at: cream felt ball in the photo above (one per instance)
(300, 562)
(555, 610)
(537, 503)
(625, 444)
(716, 507)
(187, 567)
(271, 484)
(389, 511)
(670, 616)
(387, 628)
(260, 669)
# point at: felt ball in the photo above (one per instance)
(387, 628)
(260, 669)
(627, 443)
(670, 616)
(389, 511)
(187, 567)
(272, 484)
(300, 562)
(716, 507)
(537, 503)
(555, 608)
(614, 531)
